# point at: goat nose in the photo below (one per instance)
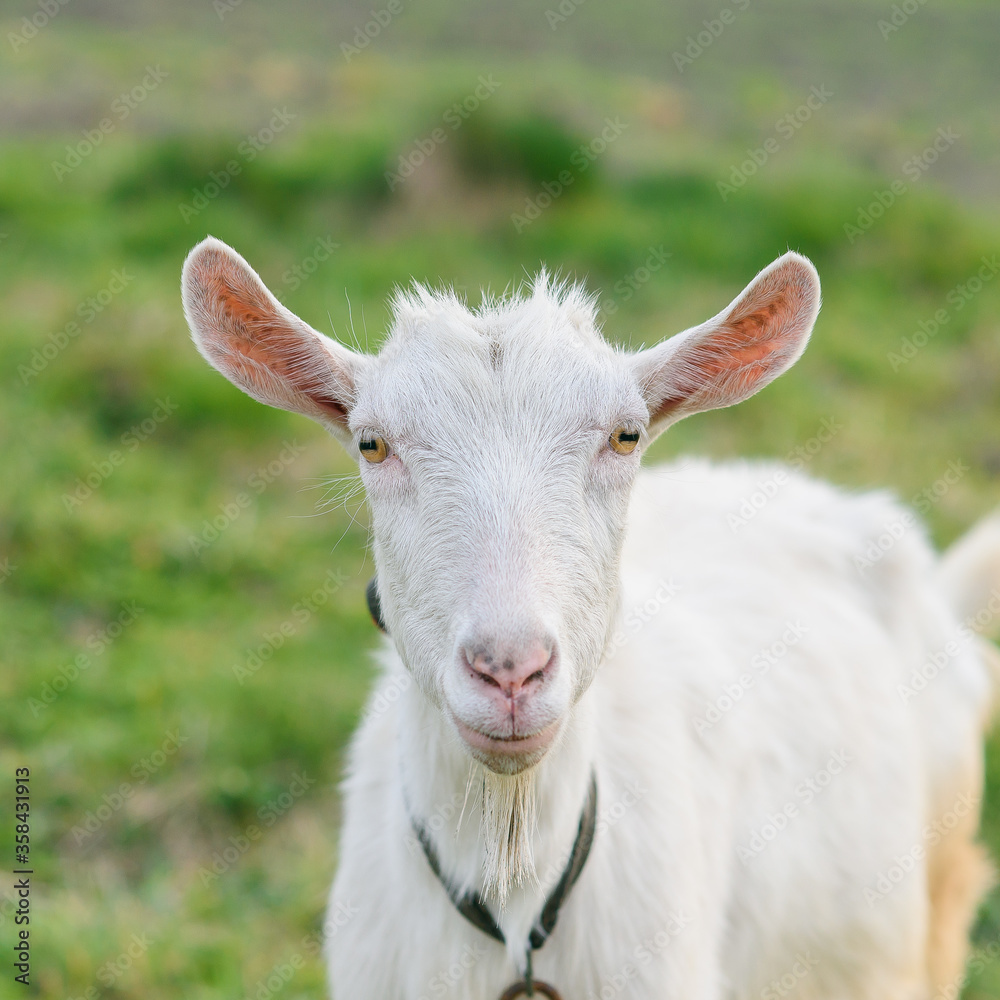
(512, 671)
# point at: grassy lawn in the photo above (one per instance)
(183, 634)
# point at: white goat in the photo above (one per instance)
(785, 732)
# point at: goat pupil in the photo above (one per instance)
(368, 445)
(628, 437)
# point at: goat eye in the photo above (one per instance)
(623, 440)
(374, 449)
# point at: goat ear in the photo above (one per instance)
(752, 341)
(243, 331)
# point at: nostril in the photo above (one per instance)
(492, 681)
(511, 672)
(479, 667)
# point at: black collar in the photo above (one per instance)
(471, 904)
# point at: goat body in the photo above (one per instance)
(779, 688)
(789, 762)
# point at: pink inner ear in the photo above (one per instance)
(260, 347)
(738, 356)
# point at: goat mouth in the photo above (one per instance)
(534, 744)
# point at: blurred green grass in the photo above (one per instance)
(125, 400)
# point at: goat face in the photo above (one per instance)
(497, 449)
(498, 508)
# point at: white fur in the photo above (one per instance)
(502, 508)
(674, 850)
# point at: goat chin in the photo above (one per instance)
(507, 819)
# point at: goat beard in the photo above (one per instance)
(506, 825)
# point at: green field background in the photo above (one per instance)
(184, 645)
